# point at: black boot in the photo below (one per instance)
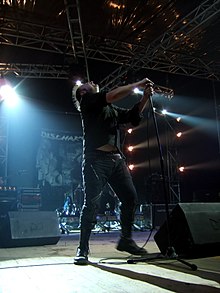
(127, 244)
(81, 257)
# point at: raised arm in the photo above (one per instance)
(123, 91)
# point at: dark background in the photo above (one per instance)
(46, 104)
(29, 36)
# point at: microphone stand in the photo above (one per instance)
(170, 249)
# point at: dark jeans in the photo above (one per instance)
(99, 169)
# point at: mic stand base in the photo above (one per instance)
(171, 254)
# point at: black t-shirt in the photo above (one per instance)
(101, 121)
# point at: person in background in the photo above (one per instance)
(103, 160)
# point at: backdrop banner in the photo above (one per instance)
(58, 163)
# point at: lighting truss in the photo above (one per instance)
(72, 9)
(35, 70)
(168, 42)
(165, 53)
(4, 145)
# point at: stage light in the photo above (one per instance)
(164, 111)
(130, 148)
(178, 119)
(181, 169)
(179, 134)
(136, 90)
(78, 83)
(130, 130)
(8, 95)
(131, 167)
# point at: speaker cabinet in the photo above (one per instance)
(159, 214)
(194, 230)
(29, 228)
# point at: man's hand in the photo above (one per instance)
(143, 83)
(123, 91)
(149, 90)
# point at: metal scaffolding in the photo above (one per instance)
(4, 148)
(72, 9)
(167, 53)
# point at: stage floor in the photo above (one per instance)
(50, 268)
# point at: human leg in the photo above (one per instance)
(121, 182)
(81, 257)
(94, 180)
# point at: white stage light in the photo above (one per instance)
(9, 95)
(78, 83)
(164, 111)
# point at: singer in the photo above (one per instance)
(104, 162)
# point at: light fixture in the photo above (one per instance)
(8, 95)
(131, 167)
(181, 169)
(78, 82)
(137, 91)
(130, 148)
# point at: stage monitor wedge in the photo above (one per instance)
(29, 228)
(194, 230)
